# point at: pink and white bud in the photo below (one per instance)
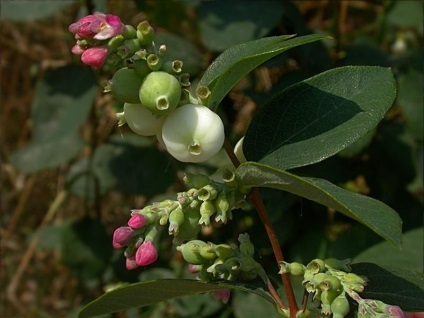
(223, 295)
(131, 263)
(194, 269)
(137, 221)
(146, 254)
(77, 50)
(122, 236)
(98, 26)
(95, 56)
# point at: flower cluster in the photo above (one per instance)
(91, 35)
(330, 282)
(222, 261)
(186, 216)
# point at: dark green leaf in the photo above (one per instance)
(410, 99)
(406, 14)
(234, 63)
(152, 292)
(42, 155)
(410, 256)
(372, 213)
(30, 10)
(86, 248)
(128, 163)
(225, 24)
(62, 102)
(314, 119)
(392, 285)
(248, 305)
(179, 49)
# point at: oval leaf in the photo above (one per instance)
(62, 102)
(236, 22)
(391, 285)
(409, 257)
(316, 118)
(152, 292)
(40, 155)
(372, 213)
(233, 64)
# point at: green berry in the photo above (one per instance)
(160, 92)
(191, 252)
(125, 86)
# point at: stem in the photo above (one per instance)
(256, 200)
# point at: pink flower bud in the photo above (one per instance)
(146, 254)
(395, 312)
(137, 221)
(98, 26)
(77, 50)
(95, 56)
(194, 269)
(223, 295)
(122, 236)
(131, 263)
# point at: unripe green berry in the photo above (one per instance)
(125, 86)
(160, 92)
(141, 121)
(193, 133)
(191, 252)
(208, 251)
(141, 68)
(176, 219)
(207, 193)
(340, 306)
(207, 208)
(224, 251)
(196, 180)
(190, 227)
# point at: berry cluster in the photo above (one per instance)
(153, 88)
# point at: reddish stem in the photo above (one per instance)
(256, 200)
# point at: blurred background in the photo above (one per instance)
(70, 176)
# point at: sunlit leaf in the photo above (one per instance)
(316, 118)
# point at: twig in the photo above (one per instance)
(256, 200)
(11, 289)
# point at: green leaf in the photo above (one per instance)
(406, 14)
(247, 305)
(178, 48)
(372, 213)
(86, 248)
(120, 164)
(236, 22)
(152, 292)
(234, 63)
(410, 99)
(49, 154)
(30, 10)
(410, 256)
(316, 118)
(62, 102)
(392, 285)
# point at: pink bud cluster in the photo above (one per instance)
(91, 32)
(131, 236)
